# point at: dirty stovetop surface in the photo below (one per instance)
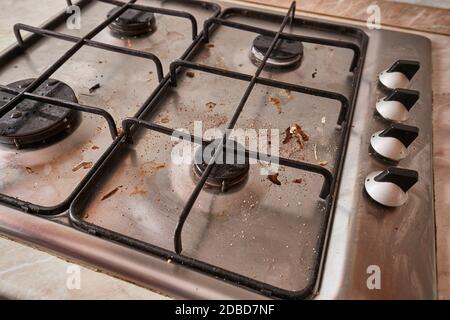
(261, 230)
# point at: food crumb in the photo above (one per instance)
(276, 102)
(296, 131)
(190, 74)
(94, 87)
(274, 179)
(165, 120)
(300, 180)
(84, 165)
(29, 170)
(323, 163)
(211, 105)
(95, 147)
(111, 193)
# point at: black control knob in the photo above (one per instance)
(395, 107)
(393, 142)
(399, 75)
(390, 187)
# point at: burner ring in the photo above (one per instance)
(32, 122)
(230, 171)
(132, 23)
(288, 53)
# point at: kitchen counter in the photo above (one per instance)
(26, 273)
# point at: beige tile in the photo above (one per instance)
(27, 273)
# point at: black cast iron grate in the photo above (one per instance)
(77, 199)
(27, 93)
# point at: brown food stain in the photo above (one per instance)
(149, 168)
(276, 102)
(137, 191)
(298, 181)
(211, 105)
(84, 165)
(210, 45)
(190, 74)
(274, 179)
(95, 147)
(165, 120)
(111, 193)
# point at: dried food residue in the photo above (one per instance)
(150, 168)
(323, 163)
(29, 170)
(95, 147)
(137, 191)
(94, 87)
(274, 179)
(314, 74)
(165, 120)
(111, 193)
(295, 131)
(298, 181)
(211, 105)
(190, 74)
(82, 165)
(210, 45)
(276, 101)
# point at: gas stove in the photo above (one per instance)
(335, 201)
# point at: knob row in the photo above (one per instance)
(390, 187)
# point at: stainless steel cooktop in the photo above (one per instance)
(101, 187)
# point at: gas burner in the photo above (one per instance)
(32, 122)
(230, 171)
(132, 23)
(286, 54)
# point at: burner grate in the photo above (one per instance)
(329, 179)
(27, 93)
(77, 199)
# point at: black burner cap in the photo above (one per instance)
(232, 169)
(31, 122)
(132, 23)
(285, 54)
